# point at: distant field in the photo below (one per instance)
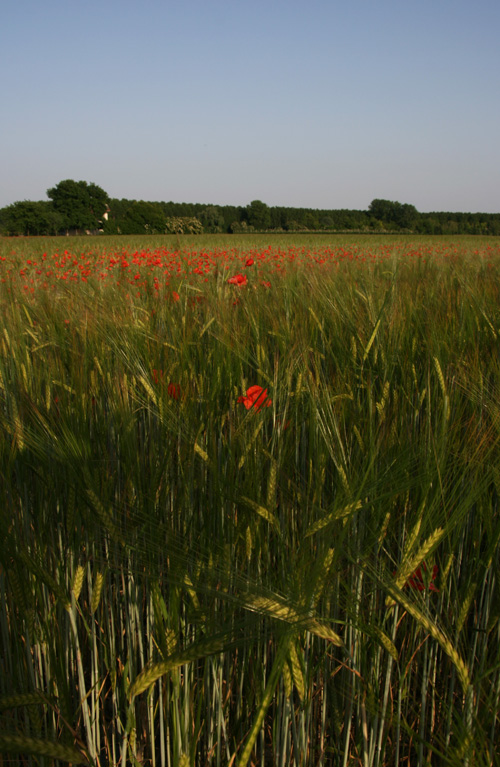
(250, 507)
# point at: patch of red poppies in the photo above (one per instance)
(174, 390)
(256, 397)
(420, 582)
(238, 279)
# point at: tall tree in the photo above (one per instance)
(259, 215)
(394, 214)
(212, 219)
(81, 205)
(143, 218)
(27, 218)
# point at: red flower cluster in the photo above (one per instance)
(158, 376)
(256, 397)
(417, 580)
(238, 279)
(174, 390)
(161, 269)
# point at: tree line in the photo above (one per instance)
(76, 207)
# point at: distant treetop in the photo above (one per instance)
(81, 205)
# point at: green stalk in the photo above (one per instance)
(267, 696)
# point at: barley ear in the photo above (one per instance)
(78, 579)
(445, 643)
(22, 744)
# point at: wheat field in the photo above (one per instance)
(249, 510)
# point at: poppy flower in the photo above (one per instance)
(418, 581)
(157, 375)
(174, 390)
(256, 397)
(238, 279)
(249, 262)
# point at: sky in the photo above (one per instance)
(301, 103)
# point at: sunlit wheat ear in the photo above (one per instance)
(442, 384)
(8, 348)
(295, 660)
(78, 582)
(271, 485)
(97, 585)
(148, 388)
(386, 642)
(408, 567)
(465, 607)
(371, 340)
(262, 512)
(201, 452)
(149, 675)
(322, 576)
(354, 348)
(341, 513)
(24, 376)
(383, 529)
(292, 616)
(359, 438)
(18, 431)
(445, 643)
(381, 405)
(414, 532)
(287, 679)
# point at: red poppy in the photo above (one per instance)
(418, 581)
(256, 397)
(174, 390)
(249, 262)
(238, 279)
(157, 375)
(175, 295)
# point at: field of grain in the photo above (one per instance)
(249, 509)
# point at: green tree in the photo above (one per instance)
(142, 218)
(395, 215)
(326, 222)
(81, 205)
(212, 219)
(30, 218)
(406, 216)
(382, 210)
(278, 217)
(311, 220)
(259, 215)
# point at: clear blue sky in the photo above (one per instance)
(308, 103)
